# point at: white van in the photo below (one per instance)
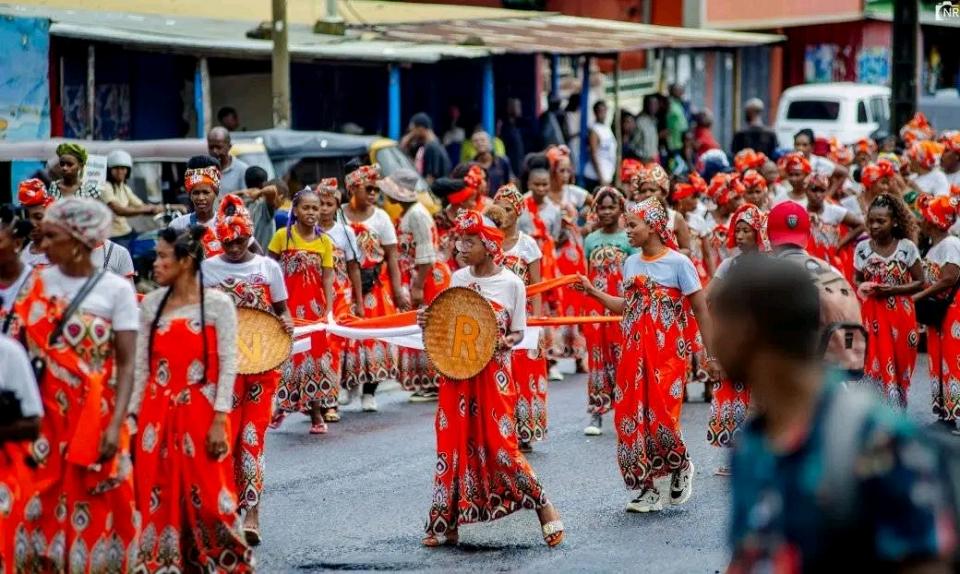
(843, 110)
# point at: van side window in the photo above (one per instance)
(862, 113)
(813, 110)
(880, 109)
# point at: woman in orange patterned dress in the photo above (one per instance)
(827, 220)
(81, 516)
(656, 357)
(889, 271)
(369, 362)
(34, 199)
(726, 191)
(203, 187)
(256, 282)
(309, 381)
(522, 256)
(607, 248)
(185, 373)
(480, 473)
(423, 275)
(942, 270)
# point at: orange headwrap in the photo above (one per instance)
(682, 191)
(950, 141)
(748, 159)
(209, 175)
(794, 161)
(874, 172)
(652, 173)
(699, 184)
(628, 169)
(473, 223)
(917, 129)
(840, 153)
(328, 186)
(752, 178)
(940, 211)
(925, 152)
(556, 153)
(233, 219)
(651, 211)
(33, 193)
(510, 194)
(756, 219)
(724, 187)
(865, 146)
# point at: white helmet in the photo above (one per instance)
(119, 158)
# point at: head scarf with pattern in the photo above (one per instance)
(652, 173)
(748, 158)
(925, 152)
(652, 212)
(794, 161)
(74, 149)
(724, 187)
(328, 186)
(865, 146)
(917, 129)
(511, 195)
(556, 153)
(363, 176)
(950, 141)
(940, 211)
(874, 172)
(756, 219)
(209, 176)
(233, 219)
(33, 193)
(628, 169)
(473, 223)
(840, 153)
(752, 179)
(87, 220)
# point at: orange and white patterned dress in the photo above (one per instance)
(943, 342)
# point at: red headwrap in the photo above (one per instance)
(917, 129)
(628, 169)
(748, 159)
(475, 177)
(724, 187)
(652, 173)
(951, 141)
(363, 176)
(866, 146)
(651, 211)
(794, 161)
(840, 153)
(209, 176)
(510, 194)
(556, 153)
(233, 219)
(699, 184)
(473, 223)
(940, 211)
(682, 191)
(33, 193)
(752, 178)
(874, 172)
(925, 152)
(756, 219)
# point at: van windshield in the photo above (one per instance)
(823, 110)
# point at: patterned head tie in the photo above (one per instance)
(756, 219)
(652, 212)
(511, 195)
(233, 219)
(363, 176)
(86, 220)
(209, 176)
(33, 193)
(473, 223)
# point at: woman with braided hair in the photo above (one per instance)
(310, 381)
(183, 394)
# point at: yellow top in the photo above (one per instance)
(322, 245)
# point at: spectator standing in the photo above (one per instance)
(424, 147)
(703, 133)
(232, 170)
(551, 130)
(497, 167)
(228, 118)
(755, 135)
(648, 135)
(513, 136)
(602, 145)
(120, 198)
(677, 124)
(629, 136)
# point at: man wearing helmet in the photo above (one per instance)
(120, 198)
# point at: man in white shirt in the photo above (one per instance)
(602, 161)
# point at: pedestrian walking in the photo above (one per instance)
(523, 257)
(184, 471)
(423, 276)
(889, 271)
(607, 247)
(657, 327)
(309, 381)
(81, 322)
(256, 282)
(481, 474)
(368, 363)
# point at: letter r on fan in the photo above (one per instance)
(465, 334)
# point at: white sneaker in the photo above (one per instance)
(681, 485)
(554, 374)
(648, 501)
(595, 428)
(347, 396)
(368, 403)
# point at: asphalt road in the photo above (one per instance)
(357, 498)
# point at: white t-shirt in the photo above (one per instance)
(905, 255)
(8, 294)
(505, 288)
(345, 240)
(833, 214)
(381, 224)
(673, 269)
(418, 223)
(119, 261)
(526, 249)
(606, 154)
(697, 224)
(933, 182)
(852, 204)
(113, 298)
(258, 271)
(953, 178)
(947, 251)
(17, 376)
(574, 195)
(32, 259)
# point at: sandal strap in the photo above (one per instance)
(552, 527)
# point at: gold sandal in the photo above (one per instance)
(434, 541)
(553, 533)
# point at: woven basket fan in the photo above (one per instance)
(263, 343)
(461, 333)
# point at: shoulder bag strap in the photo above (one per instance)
(106, 256)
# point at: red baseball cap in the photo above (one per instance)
(788, 224)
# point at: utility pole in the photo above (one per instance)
(281, 66)
(906, 30)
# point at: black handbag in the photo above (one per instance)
(369, 277)
(932, 310)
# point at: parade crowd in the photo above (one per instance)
(130, 441)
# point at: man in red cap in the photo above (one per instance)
(788, 227)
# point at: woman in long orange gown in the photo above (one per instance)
(185, 486)
(480, 473)
(81, 514)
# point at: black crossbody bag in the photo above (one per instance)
(931, 310)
